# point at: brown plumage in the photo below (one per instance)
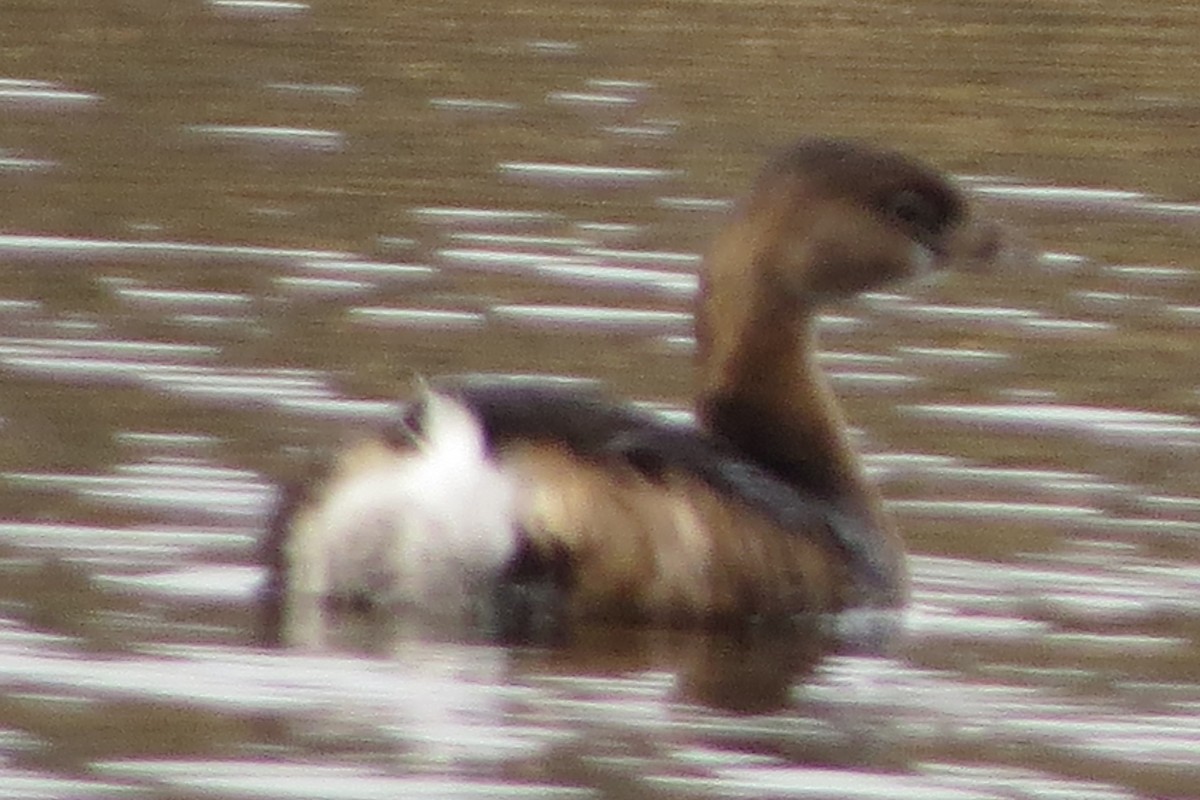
(508, 505)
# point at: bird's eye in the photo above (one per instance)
(918, 213)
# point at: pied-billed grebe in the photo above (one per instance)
(505, 501)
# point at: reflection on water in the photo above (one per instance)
(235, 229)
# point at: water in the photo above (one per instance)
(230, 232)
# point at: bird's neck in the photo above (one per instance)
(762, 391)
(760, 387)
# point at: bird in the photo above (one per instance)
(516, 506)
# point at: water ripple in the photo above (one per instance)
(62, 248)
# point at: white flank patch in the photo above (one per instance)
(427, 528)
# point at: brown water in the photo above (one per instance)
(229, 231)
